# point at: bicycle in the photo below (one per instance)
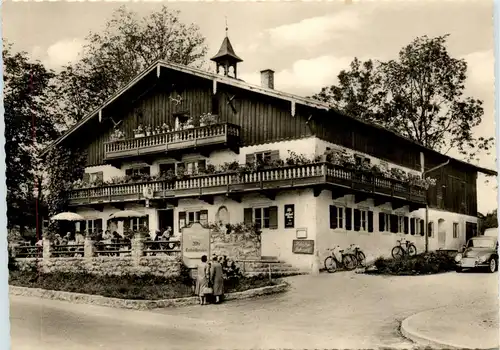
(358, 253)
(348, 261)
(404, 248)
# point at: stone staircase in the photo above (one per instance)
(266, 265)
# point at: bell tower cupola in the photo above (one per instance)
(226, 59)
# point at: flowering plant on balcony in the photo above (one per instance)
(296, 159)
(148, 130)
(116, 135)
(139, 131)
(157, 130)
(165, 128)
(208, 119)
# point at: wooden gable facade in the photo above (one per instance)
(158, 98)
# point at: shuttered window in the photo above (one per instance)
(336, 217)
(412, 226)
(265, 157)
(182, 220)
(422, 228)
(430, 229)
(138, 171)
(262, 217)
(384, 222)
(406, 224)
(136, 223)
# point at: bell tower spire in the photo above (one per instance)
(226, 58)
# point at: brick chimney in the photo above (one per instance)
(267, 78)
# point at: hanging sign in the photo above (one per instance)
(289, 215)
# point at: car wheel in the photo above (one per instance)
(458, 269)
(492, 267)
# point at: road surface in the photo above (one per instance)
(342, 310)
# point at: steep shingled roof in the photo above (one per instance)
(226, 49)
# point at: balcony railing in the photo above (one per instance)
(267, 179)
(173, 141)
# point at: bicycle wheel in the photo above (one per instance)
(412, 250)
(330, 264)
(397, 252)
(349, 262)
(360, 256)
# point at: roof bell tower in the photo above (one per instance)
(226, 59)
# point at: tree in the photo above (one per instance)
(420, 96)
(28, 125)
(127, 46)
(487, 221)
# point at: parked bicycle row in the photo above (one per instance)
(353, 257)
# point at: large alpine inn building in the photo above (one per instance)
(308, 192)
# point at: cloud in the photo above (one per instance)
(480, 69)
(315, 31)
(59, 53)
(306, 77)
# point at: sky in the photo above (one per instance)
(305, 43)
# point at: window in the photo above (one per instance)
(360, 160)
(266, 217)
(421, 227)
(138, 171)
(167, 167)
(401, 224)
(91, 226)
(394, 219)
(93, 177)
(136, 223)
(348, 219)
(336, 217)
(193, 167)
(264, 157)
(363, 220)
(412, 226)
(455, 230)
(384, 223)
(188, 217)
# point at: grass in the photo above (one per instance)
(146, 287)
(421, 264)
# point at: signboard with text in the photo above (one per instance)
(302, 246)
(289, 215)
(195, 243)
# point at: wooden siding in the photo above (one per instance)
(265, 119)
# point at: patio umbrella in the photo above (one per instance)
(126, 214)
(67, 216)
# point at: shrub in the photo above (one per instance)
(421, 264)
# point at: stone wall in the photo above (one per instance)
(237, 246)
(165, 266)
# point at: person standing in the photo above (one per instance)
(217, 279)
(203, 280)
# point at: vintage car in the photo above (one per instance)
(479, 252)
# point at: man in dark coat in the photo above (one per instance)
(217, 279)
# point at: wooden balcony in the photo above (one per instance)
(204, 137)
(319, 176)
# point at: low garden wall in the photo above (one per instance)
(163, 266)
(236, 246)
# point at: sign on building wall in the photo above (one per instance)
(195, 243)
(289, 215)
(303, 246)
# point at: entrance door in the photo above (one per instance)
(165, 219)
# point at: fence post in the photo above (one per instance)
(88, 248)
(137, 249)
(46, 248)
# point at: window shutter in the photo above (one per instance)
(357, 219)
(86, 177)
(182, 216)
(204, 217)
(406, 225)
(202, 165)
(273, 217)
(98, 225)
(100, 176)
(422, 228)
(429, 229)
(412, 226)
(348, 219)
(275, 155)
(129, 172)
(394, 223)
(381, 222)
(248, 216)
(250, 158)
(370, 221)
(333, 216)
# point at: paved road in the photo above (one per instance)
(342, 310)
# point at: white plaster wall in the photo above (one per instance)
(277, 242)
(321, 146)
